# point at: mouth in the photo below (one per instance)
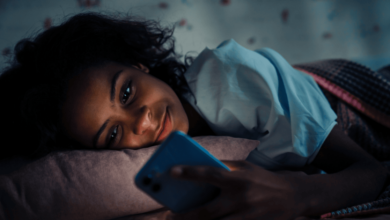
(166, 127)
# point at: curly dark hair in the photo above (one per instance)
(33, 88)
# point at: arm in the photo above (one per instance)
(252, 192)
(152, 215)
(353, 177)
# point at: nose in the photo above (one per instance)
(143, 121)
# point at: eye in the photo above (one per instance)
(126, 93)
(112, 137)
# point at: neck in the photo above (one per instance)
(197, 125)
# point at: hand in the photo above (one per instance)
(247, 192)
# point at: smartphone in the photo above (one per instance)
(178, 195)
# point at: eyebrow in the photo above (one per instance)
(112, 97)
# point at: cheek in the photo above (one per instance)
(183, 124)
(181, 115)
(165, 92)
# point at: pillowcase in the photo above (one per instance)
(92, 184)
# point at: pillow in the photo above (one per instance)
(92, 184)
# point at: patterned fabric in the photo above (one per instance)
(357, 85)
(361, 99)
(366, 132)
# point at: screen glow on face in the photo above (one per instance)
(116, 106)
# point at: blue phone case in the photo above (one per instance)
(178, 195)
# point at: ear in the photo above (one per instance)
(141, 67)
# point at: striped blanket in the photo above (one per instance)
(361, 99)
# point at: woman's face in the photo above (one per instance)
(116, 106)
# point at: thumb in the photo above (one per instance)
(216, 176)
(239, 165)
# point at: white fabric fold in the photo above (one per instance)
(258, 95)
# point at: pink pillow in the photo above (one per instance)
(92, 184)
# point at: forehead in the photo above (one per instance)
(95, 76)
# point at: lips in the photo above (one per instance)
(166, 127)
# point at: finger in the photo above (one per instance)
(245, 214)
(289, 172)
(235, 216)
(304, 218)
(216, 176)
(214, 209)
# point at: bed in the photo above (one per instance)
(91, 184)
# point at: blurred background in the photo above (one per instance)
(300, 30)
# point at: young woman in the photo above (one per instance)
(100, 82)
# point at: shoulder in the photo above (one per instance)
(232, 51)
(231, 48)
(231, 54)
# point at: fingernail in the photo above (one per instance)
(176, 171)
